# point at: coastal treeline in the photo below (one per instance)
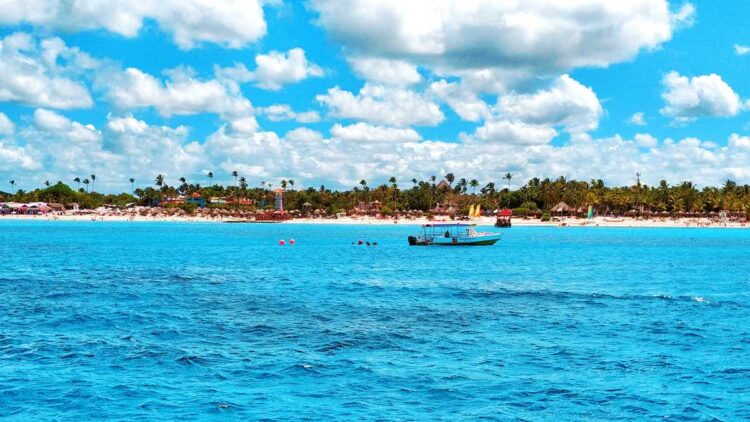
(535, 196)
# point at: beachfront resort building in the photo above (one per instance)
(31, 208)
(196, 198)
(368, 208)
(445, 208)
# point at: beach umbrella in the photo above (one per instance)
(561, 207)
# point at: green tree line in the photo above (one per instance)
(536, 195)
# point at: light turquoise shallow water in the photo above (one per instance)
(216, 321)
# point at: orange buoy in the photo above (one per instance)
(281, 242)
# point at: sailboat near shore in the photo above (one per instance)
(475, 211)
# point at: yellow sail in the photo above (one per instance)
(478, 210)
(471, 210)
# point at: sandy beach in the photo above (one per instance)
(623, 222)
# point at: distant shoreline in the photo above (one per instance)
(625, 222)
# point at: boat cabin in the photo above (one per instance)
(447, 230)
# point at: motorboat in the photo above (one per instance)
(453, 234)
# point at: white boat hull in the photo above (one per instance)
(480, 240)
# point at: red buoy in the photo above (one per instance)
(359, 243)
(281, 242)
(291, 241)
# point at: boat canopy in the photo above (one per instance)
(449, 225)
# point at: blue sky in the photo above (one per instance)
(331, 92)
(704, 48)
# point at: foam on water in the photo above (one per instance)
(164, 321)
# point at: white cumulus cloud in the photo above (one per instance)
(303, 134)
(282, 112)
(181, 94)
(514, 133)
(231, 23)
(385, 71)
(645, 140)
(15, 159)
(463, 101)
(6, 125)
(30, 74)
(141, 151)
(699, 96)
(52, 146)
(276, 69)
(382, 105)
(363, 132)
(536, 37)
(638, 119)
(566, 103)
(68, 130)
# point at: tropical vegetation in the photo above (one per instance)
(535, 196)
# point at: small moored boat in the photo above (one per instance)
(503, 218)
(452, 234)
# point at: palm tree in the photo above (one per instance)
(432, 190)
(86, 182)
(283, 184)
(507, 177)
(78, 183)
(394, 186)
(211, 177)
(12, 184)
(159, 182)
(93, 182)
(183, 185)
(46, 183)
(243, 183)
(132, 186)
(291, 184)
(235, 174)
(450, 177)
(414, 181)
(474, 183)
(489, 188)
(365, 188)
(462, 183)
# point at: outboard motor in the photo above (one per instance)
(412, 240)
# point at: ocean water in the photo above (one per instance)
(155, 321)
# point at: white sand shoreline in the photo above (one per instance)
(627, 222)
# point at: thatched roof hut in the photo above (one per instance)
(561, 208)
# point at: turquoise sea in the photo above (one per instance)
(161, 321)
